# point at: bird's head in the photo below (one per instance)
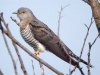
(24, 13)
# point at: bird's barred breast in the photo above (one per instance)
(29, 38)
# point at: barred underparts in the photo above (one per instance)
(29, 38)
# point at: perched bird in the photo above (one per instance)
(41, 37)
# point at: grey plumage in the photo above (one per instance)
(38, 32)
(52, 42)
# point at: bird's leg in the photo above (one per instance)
(37, 53)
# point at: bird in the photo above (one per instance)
(39, 36)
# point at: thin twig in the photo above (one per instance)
(42, 69)
(14, 20)
(82, 49)
(95, 40)
(59, 18)
(6, 43)
(33, 67)
(20, 59)
(9, 51)
(88, 29)
(89, 59)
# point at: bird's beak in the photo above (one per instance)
(14, 13)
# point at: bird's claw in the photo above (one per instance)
(37, 53)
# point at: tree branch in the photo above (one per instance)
(82, 49)
(20, 59)
(42, 69)
(6, 43)
(59, 18)
(33, 67)
(89, 59)
(16, 49)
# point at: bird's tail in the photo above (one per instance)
(81, 60)
(75, 56)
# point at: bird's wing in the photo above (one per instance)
(52, 42)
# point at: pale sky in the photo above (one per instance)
(72, 33)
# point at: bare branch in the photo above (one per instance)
(20, 59)
(9, 51)
(33, 67)
(59, 18)
(17, 52)
(89, 59)
(42, 69)
(82, 49)
(88, 29)
(14, 20)
(6, 43)
(95, 40)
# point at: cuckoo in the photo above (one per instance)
(39, 36)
